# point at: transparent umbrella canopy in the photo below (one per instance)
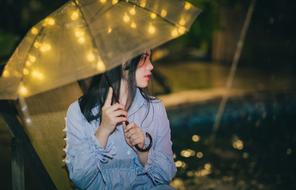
(87, 37)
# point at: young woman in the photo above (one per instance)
(119, 137)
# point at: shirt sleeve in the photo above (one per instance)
(160, 165)
(84, 154)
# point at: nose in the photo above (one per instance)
(149, 66)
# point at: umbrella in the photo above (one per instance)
(87, 37)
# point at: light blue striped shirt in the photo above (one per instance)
(117, 166)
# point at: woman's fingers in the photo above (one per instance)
(119, 113)
(115, 107)
(120, 119)
(108, 100)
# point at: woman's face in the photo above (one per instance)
(144, 69)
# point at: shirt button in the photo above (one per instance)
(128, 152)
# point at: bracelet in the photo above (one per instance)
(145, 149)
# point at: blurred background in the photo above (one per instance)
(254, 145)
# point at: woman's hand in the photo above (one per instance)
(134, 135)
(111, 114)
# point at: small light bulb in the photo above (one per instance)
(153, 15)
(187, 6)
(37, 75)
(32, 58)
(114, 2)
(79, 32)
(49, 21)
(6, 73)
(28, 63)
(37, 44)
(151, 29)
(182, 21)
(126, 18)
(100, 66)
(133, 25)
(22, 90)
(181, 30)
(45, 47)
(26, 71)
(109, 30)
(143, 3)
(34, 31)
(74, 15)
(163, 13)
(81, 40)
(132, 11)
(90, 57)
(174, 33)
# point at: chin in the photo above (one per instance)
(143, 85)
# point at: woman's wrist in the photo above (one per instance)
(102, 136)
(146, 145)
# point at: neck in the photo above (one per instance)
(123, 92)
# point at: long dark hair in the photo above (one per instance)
(98, 90)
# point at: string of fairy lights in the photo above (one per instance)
(81, 35)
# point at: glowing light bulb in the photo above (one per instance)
(163, 13)
(182, 21)
(109, 30)
(132, 11)
(6, 73)
(151, 29)
(181, 30)
(90, 57)
(81, 40)
(28, 63)
(79, 32)
(187, 6)
(32, 58)
(126, 18)
(133, 25)
(37, 75)
(103, 1)
(22, 90)
(45, 47)
(49, 21)
(174, 33)
(34, 31)
(37, 44)
(153, 15)
(100, 66)
(143, 3)
(26, 71)
(74, 15)
(114, 2)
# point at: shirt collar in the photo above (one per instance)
(137, 102)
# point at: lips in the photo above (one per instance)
(147, 77)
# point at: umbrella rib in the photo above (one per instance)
(102, 13)
(87, 25)
(149, 10)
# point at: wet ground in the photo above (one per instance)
(254, 148)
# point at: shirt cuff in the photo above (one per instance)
(103, 154)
